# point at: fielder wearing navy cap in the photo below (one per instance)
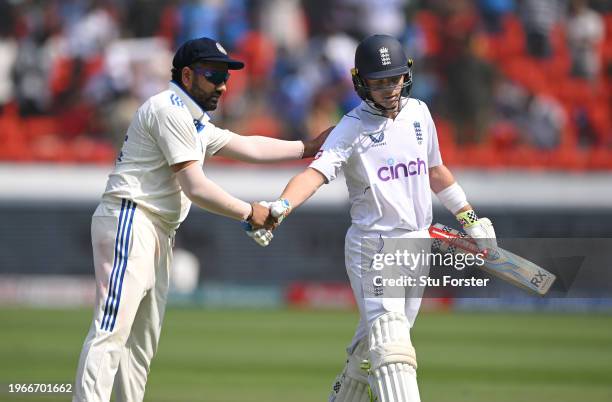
(203, 49)
(200, 68)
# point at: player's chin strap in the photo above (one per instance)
(381, 110)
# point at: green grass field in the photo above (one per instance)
(279, 356)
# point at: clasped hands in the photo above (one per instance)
(265, 218)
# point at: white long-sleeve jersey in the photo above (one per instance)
(386, 164)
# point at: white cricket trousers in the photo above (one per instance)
(356, 256)
(132, 260)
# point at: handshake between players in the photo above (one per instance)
(269, 215)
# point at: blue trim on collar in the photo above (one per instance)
(354, 117)
(189, 96)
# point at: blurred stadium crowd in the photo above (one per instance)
(511, 83)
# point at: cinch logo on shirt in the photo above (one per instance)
(395, 171)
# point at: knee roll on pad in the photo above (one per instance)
(390, 341)
(393, 359)
(352, 384)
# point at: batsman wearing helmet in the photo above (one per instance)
(158, 175)
(388, 149)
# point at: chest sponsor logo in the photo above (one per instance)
(395, 171)
(418, 132)
(377, 139)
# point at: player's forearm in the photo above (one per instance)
(210, 196)
(452, 196)
(258, 149)
(302, 186)
(448, 191)
(440, 178)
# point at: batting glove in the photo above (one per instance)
(279, 209)
(261, 236)
(481, 230)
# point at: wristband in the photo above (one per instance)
(453, 197)
(467, 218)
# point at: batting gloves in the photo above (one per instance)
(261, 236)
(480, 230)
(279, 209)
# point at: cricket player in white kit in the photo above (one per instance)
(157, 176)
(388, 150)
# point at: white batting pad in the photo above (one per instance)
(352, 384)
(393, 360)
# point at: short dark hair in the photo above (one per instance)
(176, 75)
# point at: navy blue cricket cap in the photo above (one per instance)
(203, 49)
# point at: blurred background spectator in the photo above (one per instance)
(585, 33)
(505, 79)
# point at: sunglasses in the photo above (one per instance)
(216, 77)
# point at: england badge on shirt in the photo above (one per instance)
(418, 132)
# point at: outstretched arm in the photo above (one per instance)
(258, 149)
(302, 186)
(210, 196)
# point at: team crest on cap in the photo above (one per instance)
(221, 49)
(385, 58)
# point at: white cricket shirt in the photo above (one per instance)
(167, 129)
(386, 164)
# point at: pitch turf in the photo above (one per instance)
(280, 356)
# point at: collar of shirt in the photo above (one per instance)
(196, 111)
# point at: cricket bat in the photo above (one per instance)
(499, 262)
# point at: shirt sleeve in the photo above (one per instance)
(336, 150)
(177, 137)
(433, 149)
(216, 138)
